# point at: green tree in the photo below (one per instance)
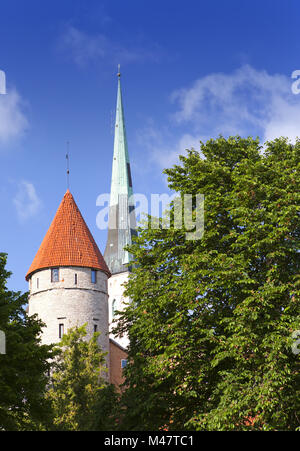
(24, 366)
(211, 319)
(80, 397)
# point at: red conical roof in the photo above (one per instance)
(68, 242)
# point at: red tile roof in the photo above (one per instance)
(68, 242)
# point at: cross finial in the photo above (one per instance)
(119, 73)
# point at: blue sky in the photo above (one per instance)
(190, 70)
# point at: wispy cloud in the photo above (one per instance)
(13, 121)
(163, 147)
(84, 48)
(26, 201)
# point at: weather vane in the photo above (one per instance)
(68, 168)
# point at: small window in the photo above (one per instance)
(93, 275)
(75, 279)
(54, 275)
(37, 283)
(60, 330)
(123, 363)
(95, 328)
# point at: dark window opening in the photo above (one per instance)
(60, 330)
(129, 175)
(93, 275)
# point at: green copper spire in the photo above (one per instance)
(122, 223)
(121, 177)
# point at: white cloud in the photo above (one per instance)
(13, 122)
(26, 201)
(245, 102)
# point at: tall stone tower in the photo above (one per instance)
(68, 278)
(122, 221)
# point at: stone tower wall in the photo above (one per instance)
(70, 304)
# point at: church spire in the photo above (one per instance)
(121, 210)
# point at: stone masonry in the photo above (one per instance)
(70, 304)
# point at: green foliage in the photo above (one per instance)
(80, 397)
(24, 367)
(210, 320)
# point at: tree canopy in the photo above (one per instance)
(24, 365)
(81, 398)
(211, 320)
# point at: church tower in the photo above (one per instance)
(68, 278)
(122, 221)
